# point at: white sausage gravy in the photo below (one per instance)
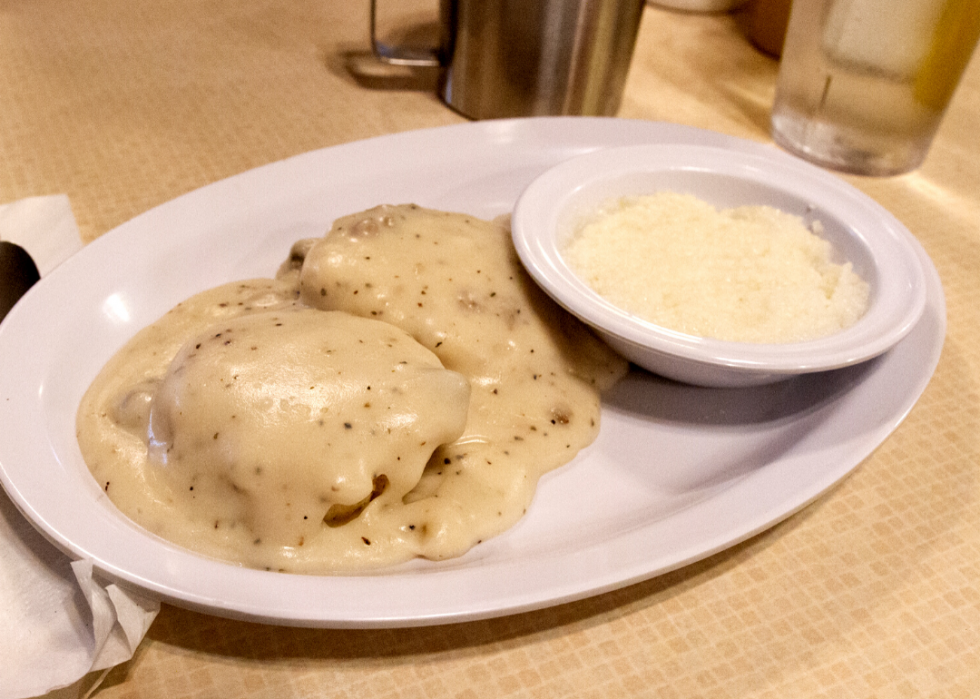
(396, 392)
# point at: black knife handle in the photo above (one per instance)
(18, 273)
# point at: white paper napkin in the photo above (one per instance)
(58, 620)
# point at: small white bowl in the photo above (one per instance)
(551, 209)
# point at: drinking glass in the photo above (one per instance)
(863, 84)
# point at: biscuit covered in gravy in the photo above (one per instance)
(455, 283)
(397, 392)
(349, 410)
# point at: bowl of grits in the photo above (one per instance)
(717, 268)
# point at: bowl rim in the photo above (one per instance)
(898, 293)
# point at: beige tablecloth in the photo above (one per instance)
(870, 592)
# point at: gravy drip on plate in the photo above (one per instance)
(397, 392)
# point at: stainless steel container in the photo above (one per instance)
(515, 58)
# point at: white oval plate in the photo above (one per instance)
(677, 473)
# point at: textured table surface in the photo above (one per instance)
(872, 591)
